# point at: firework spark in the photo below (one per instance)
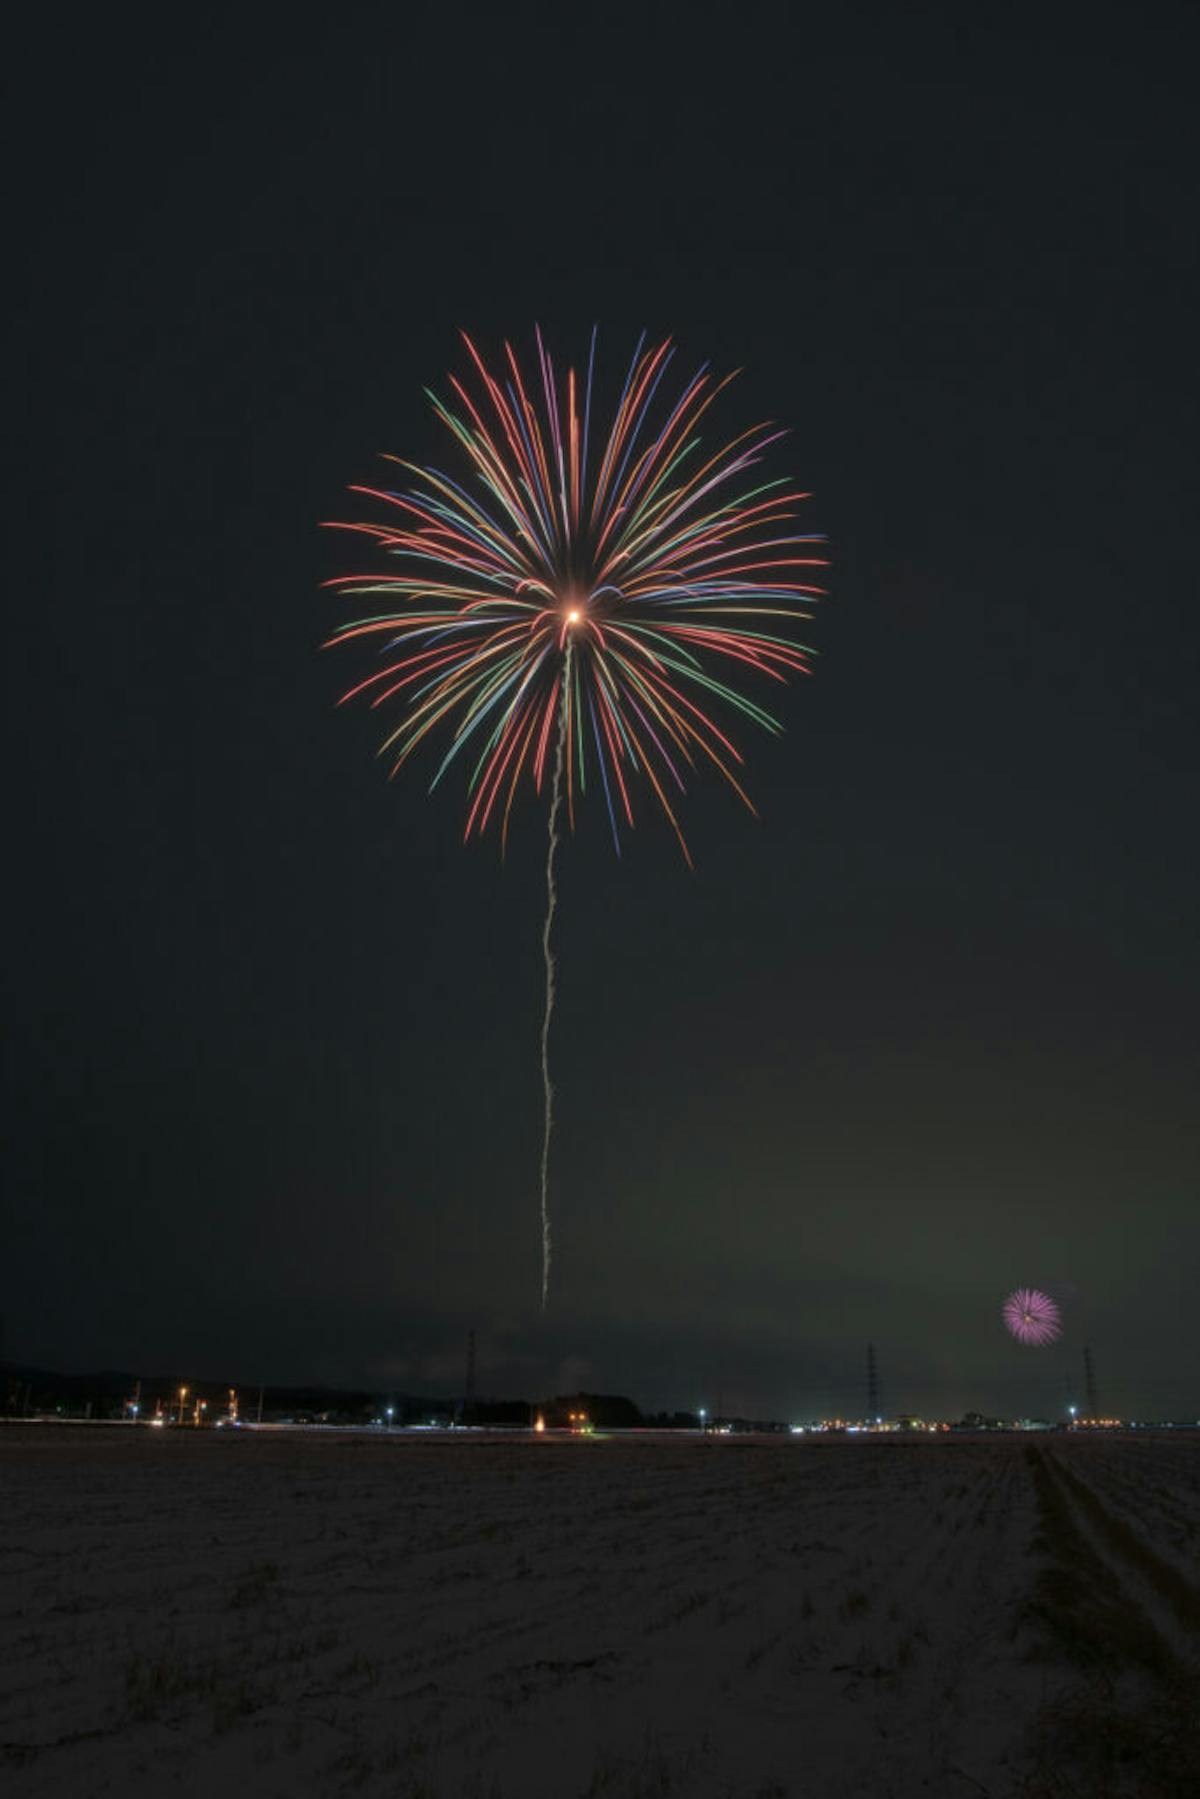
(1032, 1317)
(611, 591)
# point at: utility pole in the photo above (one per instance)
(260, 1394)
(469, 1384)
(873, 1411)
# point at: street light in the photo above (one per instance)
(703, 1416)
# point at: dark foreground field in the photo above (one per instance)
(294, 1614)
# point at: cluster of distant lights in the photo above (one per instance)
(817, 1428)
(908, 1426)
(580, 1424)
(870, 1428)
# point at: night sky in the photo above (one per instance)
(924, 1032)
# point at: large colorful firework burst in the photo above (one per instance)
(1032, 1317)
(609, 588)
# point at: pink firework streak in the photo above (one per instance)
(1032, 1317)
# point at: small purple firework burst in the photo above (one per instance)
(1032, 1317)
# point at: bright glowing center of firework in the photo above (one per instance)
(574, 616)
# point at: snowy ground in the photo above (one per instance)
(204, 1613)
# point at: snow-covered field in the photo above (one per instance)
(211, 1613)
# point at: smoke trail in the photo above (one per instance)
(551, 906)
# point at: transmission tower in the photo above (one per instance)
(1089, 1382)
(873, 1406)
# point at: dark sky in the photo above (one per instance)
(926, 1031)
